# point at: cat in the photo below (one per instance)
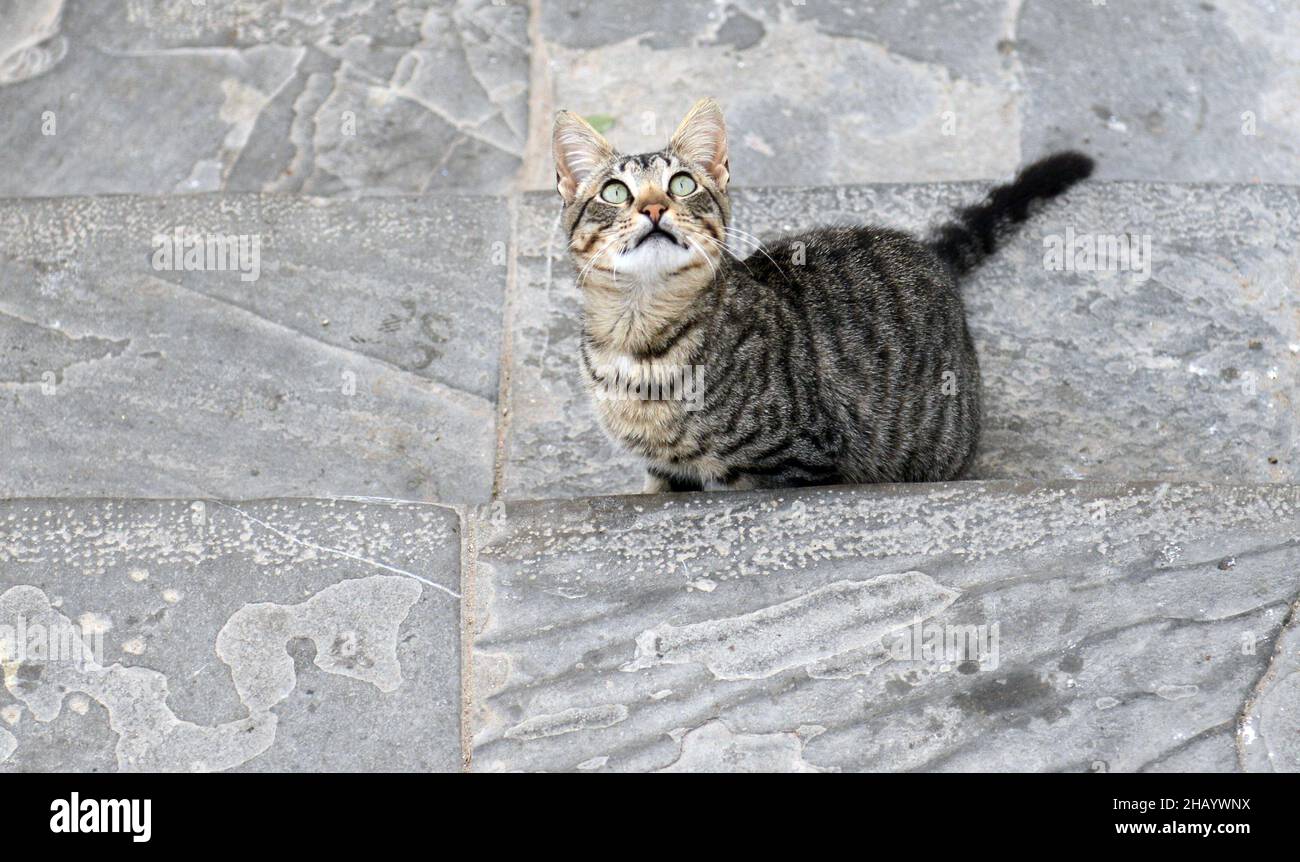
(839, 355)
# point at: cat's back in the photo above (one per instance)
(846, 266)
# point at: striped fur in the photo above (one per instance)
(837, 355)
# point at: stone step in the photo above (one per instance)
(900, 91)
(364, 360)
(361, 360)
(380, 97)
(411, 95)
(1104, 626)
(274, 635)
(1110, 628)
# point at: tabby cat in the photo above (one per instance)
(837, 355)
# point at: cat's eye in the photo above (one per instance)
(682, 185)
(614, 192)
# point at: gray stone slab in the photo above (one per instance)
(843, 91)
(1269, 741)
(291, 635)
(1188, 374)
(362, 360)
(403, 96)
(389, 96)
(814, 93)
(1102, 628)
(1165, 89)
(553, 445)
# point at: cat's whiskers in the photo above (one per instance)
(744, 245)
(713, 267)
(731, 236)
(582, 275)
(757, 245)
(721, 247)
(754, 242)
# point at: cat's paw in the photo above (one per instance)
(654, 485)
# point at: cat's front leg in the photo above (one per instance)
(663, 483)
(742, 483)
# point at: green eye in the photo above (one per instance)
(682, 185)
(614, 192)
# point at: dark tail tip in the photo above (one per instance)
(963, 243)
(1048, 177)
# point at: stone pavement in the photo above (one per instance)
(362, 359)
(418, 95)
(282, 96)
(299, 635)
(1112, 628)
(1094, 627)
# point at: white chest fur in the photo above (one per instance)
(645, 404)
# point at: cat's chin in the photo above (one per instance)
(655, 257)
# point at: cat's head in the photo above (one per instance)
(650, 215)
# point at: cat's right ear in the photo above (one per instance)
(579, 149)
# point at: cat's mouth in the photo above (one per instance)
(658, 234)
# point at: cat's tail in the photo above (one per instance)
(973, 235)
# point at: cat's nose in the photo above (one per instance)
(654, 211)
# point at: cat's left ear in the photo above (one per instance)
(702, 139)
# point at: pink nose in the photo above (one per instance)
(654, 211)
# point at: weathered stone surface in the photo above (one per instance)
(403, 96)
(1269, 737)
(1164, 89)
(1188, 373)
(814, 94)
(262, 636)
(839, 91)
(361, 361)
(152, 97)
(553, 446)
(960, 37)
(1124, 629)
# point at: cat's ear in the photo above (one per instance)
(702, 139)
(579, 149)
